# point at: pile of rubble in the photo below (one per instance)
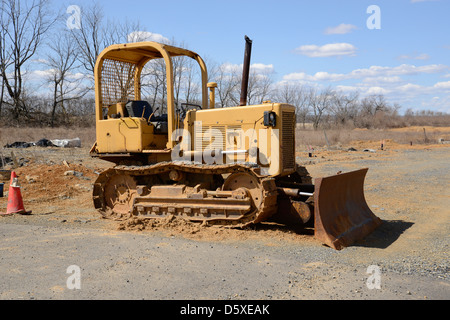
(63, 143)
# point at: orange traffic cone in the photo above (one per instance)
(15, 202)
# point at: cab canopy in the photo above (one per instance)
(118, 74)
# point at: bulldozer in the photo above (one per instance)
(230, 167)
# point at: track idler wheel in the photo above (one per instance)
(247, 182)
(119, 193)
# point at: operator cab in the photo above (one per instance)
(126, 124)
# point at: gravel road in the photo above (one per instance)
(407, 256)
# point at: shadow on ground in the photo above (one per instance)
(382, 237)
(297, 229)
(385, 235)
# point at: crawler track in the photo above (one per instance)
(229, 194)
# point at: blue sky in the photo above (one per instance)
(321, 43)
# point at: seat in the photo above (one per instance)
(138, 108)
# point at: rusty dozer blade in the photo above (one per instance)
(341, 213)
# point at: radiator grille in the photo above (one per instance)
(204, 138)
(288, 140)
(218, 142)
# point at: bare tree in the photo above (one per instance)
(319, 102)
(180, 70)
(296, 95)
(88, 36)
(344, 107)
(66, 85)
(192, 82)
(369, 107)
(5, 58)
(285, 93)
(185, 81)
(259, 86)
(228, 80)
(154, 85)
(23, 25)
(94, 34)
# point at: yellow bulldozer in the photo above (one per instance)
(231, 166)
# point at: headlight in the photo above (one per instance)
(270, 119)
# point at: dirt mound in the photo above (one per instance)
(421, 128)
(46, 183)
(174, 226)
(171, 223)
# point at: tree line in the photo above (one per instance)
(47, 72)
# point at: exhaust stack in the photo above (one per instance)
(246, 71)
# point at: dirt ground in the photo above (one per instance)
(406, 186)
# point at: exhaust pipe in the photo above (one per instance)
(246, 71)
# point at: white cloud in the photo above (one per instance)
(230, 67)
(347, 88)
(44, 75)
(409, 87)
(377, 90)
(76, 76)
(298, 76)
(393, 82)
(258, 68)
(325, 76)
(373, 74)
(442, 85)
(327, 50)
(138, 36)
(382, 80)
(436, 96)
(43, 61)
(422, 56)
(404, 69)
(41, 74)
(262, 68)
(340, 29)
(440, 104)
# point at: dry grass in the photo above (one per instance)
(303, 137)
(13, 134)
(345, 137)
